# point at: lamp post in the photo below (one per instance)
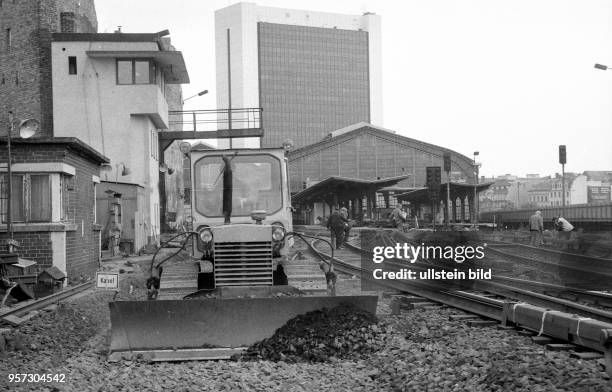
(476, 153)
(27, 129)
(196, 95)
(562, 161)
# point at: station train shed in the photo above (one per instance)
(369, 170)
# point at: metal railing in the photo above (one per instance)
(214, 120)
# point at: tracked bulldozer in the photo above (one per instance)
(234, 291)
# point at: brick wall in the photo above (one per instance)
(78, 204)
(34, 246)
(82, 244)
(25, 66)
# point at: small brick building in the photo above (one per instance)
(53, 203)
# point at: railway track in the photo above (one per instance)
(18, 314)
(554, 296)
(577, 271)
(556, 317)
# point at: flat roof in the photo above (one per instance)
(423, 193)
(171, 61)
(108, 37)
(73, 142)
(337, 184)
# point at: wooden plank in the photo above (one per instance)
(524, 332)
(560, 347)
(416, 305)
(460, 317)
(542, 340)
(481, 323)
(587, 355)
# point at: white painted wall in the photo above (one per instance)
(578, 190)
(58, 247)
(116, 120)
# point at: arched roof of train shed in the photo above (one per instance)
(343, 137)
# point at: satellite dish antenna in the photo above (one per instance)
(28, 128)
(185, 147)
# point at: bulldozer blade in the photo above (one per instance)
(167, 330)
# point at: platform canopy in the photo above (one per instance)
(457, 189)
(337, 188)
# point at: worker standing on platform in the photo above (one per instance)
(396, 216)
(347, 224)
(336, 226)
(536, 227)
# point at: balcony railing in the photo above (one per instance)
(215, 120)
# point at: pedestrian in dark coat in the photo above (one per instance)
(336, 225)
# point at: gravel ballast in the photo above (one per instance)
(419, 350)
(322, 335)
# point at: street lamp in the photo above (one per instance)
(476, 153)
(27, 129)
(196, 95)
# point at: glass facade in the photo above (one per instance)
(311, 81)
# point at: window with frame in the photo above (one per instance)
(136, 71)
(31, 198)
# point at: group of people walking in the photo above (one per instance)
(536, 228)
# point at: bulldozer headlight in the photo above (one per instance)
(206, 236)
(278, 232)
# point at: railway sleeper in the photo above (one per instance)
(481, 323)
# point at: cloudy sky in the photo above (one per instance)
(511, 79)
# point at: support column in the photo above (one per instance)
(374, 206)
(445, 209)
(454, 212)
(386, 198)
(471, 207)
(462, 201)
(360, 207)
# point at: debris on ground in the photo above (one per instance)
(320, 336)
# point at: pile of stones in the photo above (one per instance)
(320, 336)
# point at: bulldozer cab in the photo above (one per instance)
(258, 183)
(241, 211)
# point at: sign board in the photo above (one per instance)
(598, 194)
(107, 280)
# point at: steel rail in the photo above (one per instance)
(594, 334)
(597, 297)
(36, 304)
(486, 307)
(547, 251)
(526, 294)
